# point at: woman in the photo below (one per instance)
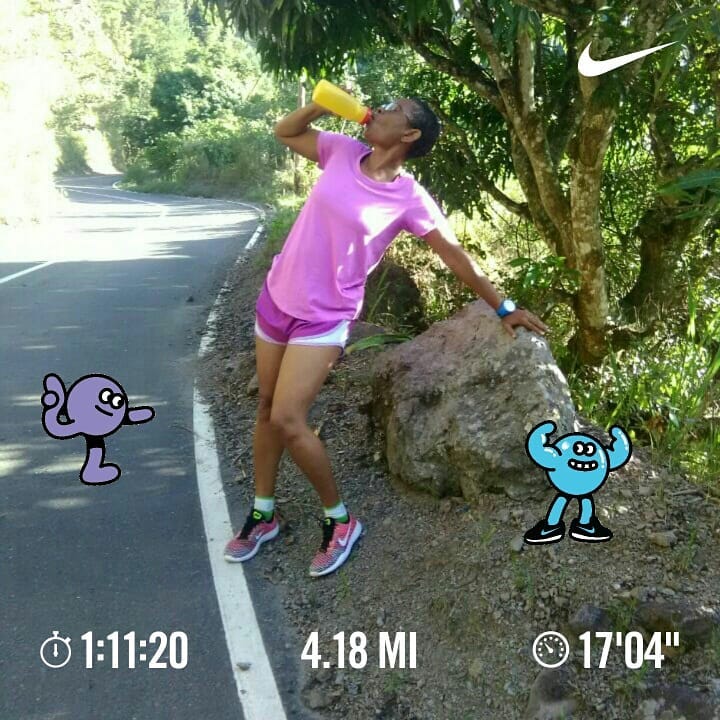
(314, 292)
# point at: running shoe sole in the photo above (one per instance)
(253, 552)
(589, 538)
(548, 539)
(357, 532)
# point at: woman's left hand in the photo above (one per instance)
(523, 318)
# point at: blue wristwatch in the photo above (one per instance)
(507, 306)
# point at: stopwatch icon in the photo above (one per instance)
(55, 651)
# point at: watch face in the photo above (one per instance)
(510, 306)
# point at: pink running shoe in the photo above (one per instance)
(338, 540)
(255, 532)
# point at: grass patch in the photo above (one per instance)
(621, 612)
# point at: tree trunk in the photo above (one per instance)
(586, 254)
(663, 238)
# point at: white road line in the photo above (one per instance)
(115, 197)
(8, 278)
(163, 212)
(256, 685)
(89, 190)
(208, 338)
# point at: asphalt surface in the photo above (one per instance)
(127, 295)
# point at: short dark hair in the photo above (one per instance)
(424, 119)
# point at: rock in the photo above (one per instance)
(476, 669)
(323, 674)
(317, 698)
(677, 702)
(551, 696)
(663, 539)
(639, 592)
(252, 386)
(380, 619)
(445, 506)
(503, 515)
(404, 299)
(589, 617)
(516, 544)
(695, 625)
(456, 403)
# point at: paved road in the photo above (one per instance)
(130, 555)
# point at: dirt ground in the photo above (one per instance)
(457, 575)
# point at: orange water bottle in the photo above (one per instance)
(333, 98)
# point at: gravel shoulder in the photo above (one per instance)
(452, 573)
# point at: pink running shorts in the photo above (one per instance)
(275, 326)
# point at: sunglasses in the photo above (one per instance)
(393, 107)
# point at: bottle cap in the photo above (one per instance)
(368, 117)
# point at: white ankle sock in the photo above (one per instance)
(266, 505)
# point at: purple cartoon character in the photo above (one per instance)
(95, 407)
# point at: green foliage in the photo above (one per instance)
(538, 283)
(665, 392)
(73, 154)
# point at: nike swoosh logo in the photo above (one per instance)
(592, 68)
(547, 532)
(342, 542)
(586, 529)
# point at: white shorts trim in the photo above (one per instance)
(337, 336)
(264, 336)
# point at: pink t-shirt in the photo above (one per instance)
(342, 232)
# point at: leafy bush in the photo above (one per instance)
(664, 392)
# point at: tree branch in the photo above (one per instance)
(568, 110)
(556, 8)
(477, 13)
(526, 69)
(520, 209)
(474, 77)
(527, 125)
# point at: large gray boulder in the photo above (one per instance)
(456, 403)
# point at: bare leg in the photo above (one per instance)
(302, 373)
(267, 442)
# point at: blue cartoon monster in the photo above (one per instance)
(577, 465)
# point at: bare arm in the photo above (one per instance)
(294, 132)
(298, 120)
